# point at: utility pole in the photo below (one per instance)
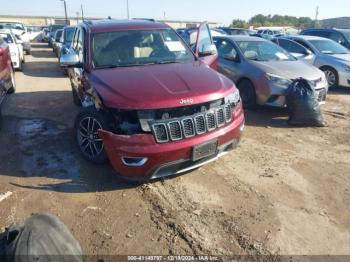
(65, 11)
(316, 16)
(127, 9)
(82, 12)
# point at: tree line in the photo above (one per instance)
(275, 20)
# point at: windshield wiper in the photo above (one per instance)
(122, 65)
(167, 62)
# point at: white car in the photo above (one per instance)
(16, 48)
(19, 30)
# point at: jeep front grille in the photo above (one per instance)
(190, 126)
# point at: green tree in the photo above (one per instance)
(239, 23)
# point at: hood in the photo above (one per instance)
(159, 86)
(290, 69)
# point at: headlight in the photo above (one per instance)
(278, 80)
(233, 98)
(346, 67)
(13, 54)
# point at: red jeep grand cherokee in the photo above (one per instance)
(150, 104)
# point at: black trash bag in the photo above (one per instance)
(42, 237)
(303, 105)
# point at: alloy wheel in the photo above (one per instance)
(331, 77)
(89, 141)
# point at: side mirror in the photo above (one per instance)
(207, 49)
(70, 60)
(232, 58)
(307, 52)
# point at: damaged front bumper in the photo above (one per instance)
(139, 157)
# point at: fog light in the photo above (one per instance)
(134, 161)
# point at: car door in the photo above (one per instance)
(228, 59)
(204, 47)
(77, 47)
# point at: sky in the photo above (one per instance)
(223, 11)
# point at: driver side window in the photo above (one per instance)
(226, 48)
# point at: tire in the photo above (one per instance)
(87, 122)
(331, 76)
(76, 98)
(248, 94)
(12, 88)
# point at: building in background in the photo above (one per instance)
(338, 22)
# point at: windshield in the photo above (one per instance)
(7, 38)
(54, 28)
(68, 35)
(263, 51)
(58, 34)
(329, 47)
(16, 26)
(135, 47)
(346, 34)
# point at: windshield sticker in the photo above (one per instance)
(175, 46)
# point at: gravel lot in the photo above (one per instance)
(283, 191)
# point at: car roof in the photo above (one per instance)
(307, 37)
(327, 29)
(243, 38)
(112, 25)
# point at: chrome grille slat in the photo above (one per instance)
(174, 129)
(199, 122)
(228, 113)
(188, 127)
(160, 132)
(178, 129)
(220, 117)
(211, 121)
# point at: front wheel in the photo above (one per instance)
(331, 76)
(87, 123)
(248, 94)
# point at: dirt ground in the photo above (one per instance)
(283, 191)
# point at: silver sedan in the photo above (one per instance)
(263, 71)
(332, 58)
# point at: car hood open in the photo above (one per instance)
(290, 69)
(159, 86)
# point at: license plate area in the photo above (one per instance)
(205, 150)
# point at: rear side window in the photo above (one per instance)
(225, 48)
(303, 44)
(337, 37)
(320, 33)
(291, 46)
